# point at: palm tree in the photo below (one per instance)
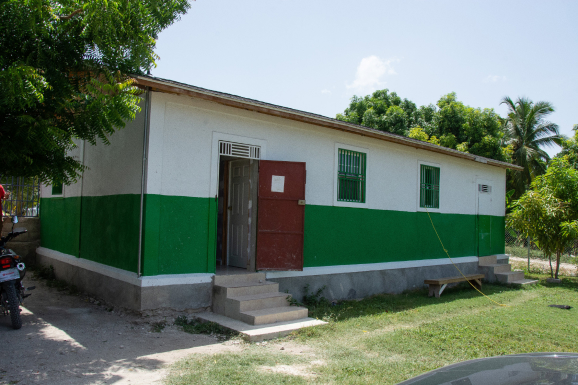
(527, 131)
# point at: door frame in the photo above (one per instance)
(214, 188)
(479, 181)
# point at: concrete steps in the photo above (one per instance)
(274, 314)
(252, 299)
(501, 272)
(510, 276)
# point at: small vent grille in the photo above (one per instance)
(239, 150)
(484, 188)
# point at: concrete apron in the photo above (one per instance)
(194, 291)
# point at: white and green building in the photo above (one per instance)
(173, 200)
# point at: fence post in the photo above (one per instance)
(529, 241)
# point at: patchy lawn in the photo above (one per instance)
(386, 339)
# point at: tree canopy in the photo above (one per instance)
(570, 148)
(548, 212)
(449, 123)
(64, 73)
(528, 131)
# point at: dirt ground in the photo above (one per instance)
(565, 268)
(74, 339)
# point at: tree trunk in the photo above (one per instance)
(558, 254)
(551, 269)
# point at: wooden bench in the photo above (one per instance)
(437, 286)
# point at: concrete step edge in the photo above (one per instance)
(259, 296)
(275, 310)
(245, 284)
(525, 282)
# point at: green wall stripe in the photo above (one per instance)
(109, 230)
(179, 233)
(343, 236)
(60, 224)
(176, 235)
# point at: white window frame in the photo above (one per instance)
(336, 170)
(418, 185)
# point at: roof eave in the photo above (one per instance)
(307, 117)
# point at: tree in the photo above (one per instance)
(548, 213)
(570, 148)
(527, 132)
(383, 111)
(450, 124)
(64, 74)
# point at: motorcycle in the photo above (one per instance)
(12, 270)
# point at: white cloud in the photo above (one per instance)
(494, 79)
(326, 91)
(370, 73)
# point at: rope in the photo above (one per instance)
(457, 268)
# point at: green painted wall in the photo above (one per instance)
(179, 233)
(109, 230)
(100, 229)
(343, 236)
(60, 224)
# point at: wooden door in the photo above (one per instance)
(281, 215)
(238, 213)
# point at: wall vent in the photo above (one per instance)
(239, 150)
(484, 188)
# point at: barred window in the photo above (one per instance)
(429, 194)
(351, 176)
(57, 188)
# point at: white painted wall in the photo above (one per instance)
(112, 169)
(180, 158)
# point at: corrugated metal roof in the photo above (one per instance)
(171, 86)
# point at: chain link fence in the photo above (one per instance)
(24, 199)
(517, 247)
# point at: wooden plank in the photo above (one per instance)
(460, 278)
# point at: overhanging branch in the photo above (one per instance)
(67, 17)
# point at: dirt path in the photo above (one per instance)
(67, 339)
(565, 268)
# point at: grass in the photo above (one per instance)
(386, 339)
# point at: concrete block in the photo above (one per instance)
(224, 280)
(510, 276)
(257, 333)
(488, 260)
(272, 315)
(234, 306)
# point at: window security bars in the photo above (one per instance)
(429, 194)
(239, 150)
(351, 176)
(24, 198)
(57, 189)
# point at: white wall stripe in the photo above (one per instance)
(343, 269)
(126, 276)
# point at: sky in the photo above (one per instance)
(315, 55)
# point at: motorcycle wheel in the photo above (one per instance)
(13, 305)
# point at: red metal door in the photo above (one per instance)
(281, 215)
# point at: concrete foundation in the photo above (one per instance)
(122, 288)
(354, 285)
(194, 291)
